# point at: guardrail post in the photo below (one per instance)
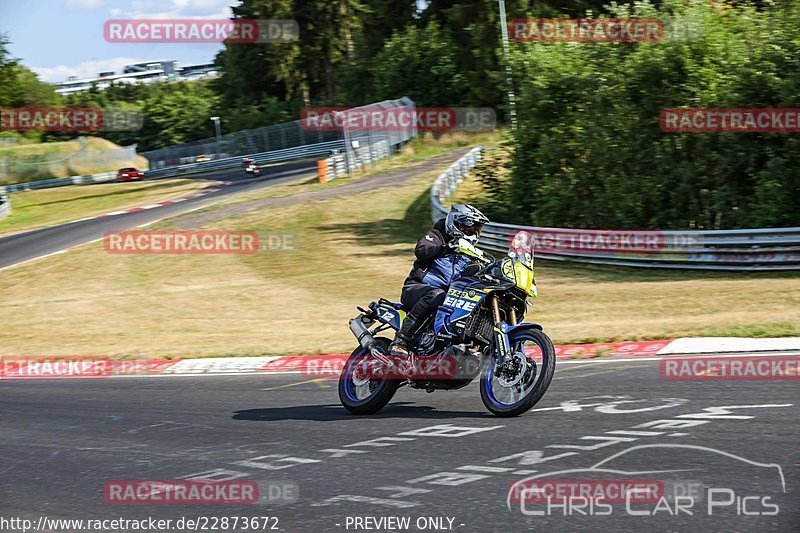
(372, 156)
(5, 206)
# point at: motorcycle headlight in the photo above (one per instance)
(524, 279)
(521, 274)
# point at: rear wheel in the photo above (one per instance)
(517, 385)
(360, 392)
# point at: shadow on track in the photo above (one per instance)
(330, 412)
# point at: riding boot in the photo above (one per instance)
(402, 340)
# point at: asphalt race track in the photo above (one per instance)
(439, 460)
(25, 246)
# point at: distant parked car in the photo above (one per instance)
(129, 174)
(202, 158)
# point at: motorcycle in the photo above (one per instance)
(478, 331)
(253, 169)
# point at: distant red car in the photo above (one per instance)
(129, 174)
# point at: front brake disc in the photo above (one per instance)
(509, 381)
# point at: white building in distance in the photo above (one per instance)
(150, 72)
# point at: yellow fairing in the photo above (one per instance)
(524, 279)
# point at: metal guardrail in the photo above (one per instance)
(336, 165)
(450, 179)
(770, 249)
(298, 152)
(313, 150)
(59, 182)
(5, 206)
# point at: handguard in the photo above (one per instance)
(467, 248)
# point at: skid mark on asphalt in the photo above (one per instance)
(591, 374)
(318, 381)
(169, 425)
(577, 367)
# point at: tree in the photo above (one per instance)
(302, 71)
(420, 63)
(8, 73)
(177, 113)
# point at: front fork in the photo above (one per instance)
(501, 328)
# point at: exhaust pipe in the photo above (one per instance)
(365, 338)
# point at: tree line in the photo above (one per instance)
(349, 52)
(589, 151)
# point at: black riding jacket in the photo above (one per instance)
(430, 247)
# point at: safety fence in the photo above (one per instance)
(85, 179)
(240, 144)
(365, 143)
(281, 138)
(5, 206)
(355, 146)
(771, 249)
(84, 160)
(288, 154)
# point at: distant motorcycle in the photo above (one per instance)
(477, 332)
(253, 169)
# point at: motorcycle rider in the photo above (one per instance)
(436, 265)
(247, 161)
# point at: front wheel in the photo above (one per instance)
(360, 392)
(519, 383)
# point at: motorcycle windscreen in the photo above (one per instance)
(521, 253)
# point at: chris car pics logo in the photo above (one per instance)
(683, 480)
